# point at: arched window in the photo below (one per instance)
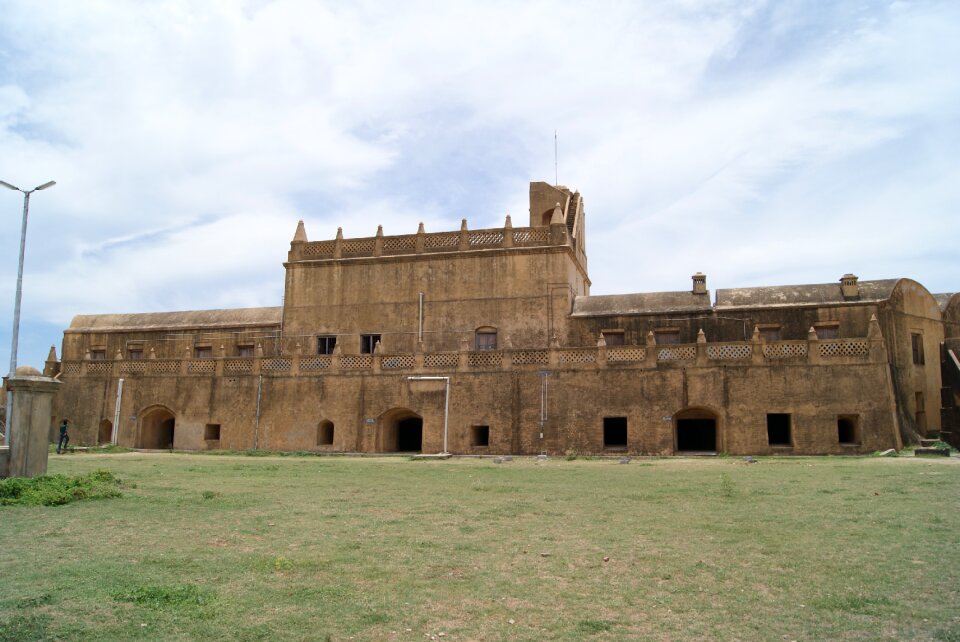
(325, 433)
(486, 338)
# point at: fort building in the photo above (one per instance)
(488, 341)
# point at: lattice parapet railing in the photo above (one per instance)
(531, 236)
(398, 362)
(280, 364)
(356, 361)
(319, 248)
(433, 242)
(585, 355)
(844, 348)
(321, 362)
(358, 247)
(677, 353)
(729, 352)
(205, 366)
(531, 357)
(399, 244)
(626, 354)
(165, 367)
(784, 350)
(441, 360)
(99, 367)
(133, 367)
(485, 359)
(441, 241)
(238, 366)
(486, 237)
(71, 368)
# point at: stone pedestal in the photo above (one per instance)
(30, 422)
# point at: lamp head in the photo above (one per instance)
(9, 186)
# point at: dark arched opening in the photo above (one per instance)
(696, 431)
(105, 432)
(325, 433)
(401, 431)
(156, 429)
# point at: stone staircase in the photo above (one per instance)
(929, 446)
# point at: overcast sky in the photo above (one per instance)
(763, 143)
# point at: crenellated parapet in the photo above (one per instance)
(422, 242)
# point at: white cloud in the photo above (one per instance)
(742, 139)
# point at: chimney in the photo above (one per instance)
(699, 283)
(848, 284)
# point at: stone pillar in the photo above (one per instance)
(650, 356)
(418, 356)
(295, 359)
(601, 351)
(756, 346)
(463, 359)
(421, 239)
(813, 346)
(878, 352)
(508, 232)
(30, 422)
(51, 366)
(701, 348)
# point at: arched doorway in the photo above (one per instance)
(695, 431)
(325, 433)
(156, 429)
(105, 432)
(401, 431)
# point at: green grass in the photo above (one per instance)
(312, 548)
(56, 490)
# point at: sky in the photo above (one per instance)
(762, 143)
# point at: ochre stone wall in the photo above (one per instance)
(649, 393)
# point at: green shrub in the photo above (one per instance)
(56, 490)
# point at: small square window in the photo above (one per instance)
(245, 351)
(326, 344)
(98, 355)
(667, 336)
(480, 436)
(615, 432)
(778, 429)
(368, 342)
(827, 330)
(202, 352)
(135, 354)
(613, 337)
(848, 430)
(486, 339)
(769, 333)
(211, 432)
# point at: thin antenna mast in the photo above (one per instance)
(556, 165)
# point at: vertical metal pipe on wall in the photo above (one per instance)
(420, 321)
(256, 428)
(116, 414)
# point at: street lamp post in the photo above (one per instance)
(16, 305)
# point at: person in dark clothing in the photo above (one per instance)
(64, 436)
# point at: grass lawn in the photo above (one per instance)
(312, 548)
